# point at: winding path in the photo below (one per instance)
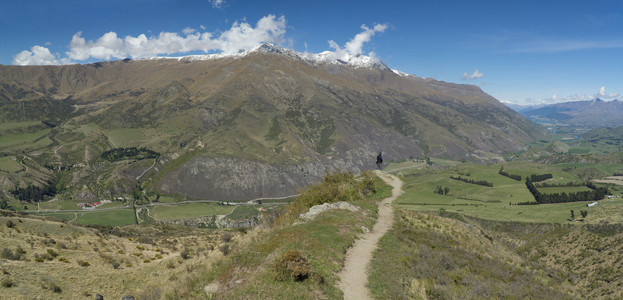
(354, 275)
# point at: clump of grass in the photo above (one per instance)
(292, 265)
(17, 254)
(7, 282)
(225, 249)
(83, 263)
(226, 237)
(185, 254)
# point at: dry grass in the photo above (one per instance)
(66, 261)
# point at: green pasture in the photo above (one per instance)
(29, 140)
(595, 147)
(563, 189)
(243, 212)
(18, 125)
(492, 203)
(10, 165)
(190, 210)
(117, 217)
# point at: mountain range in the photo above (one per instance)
(262, 123)
(589, 113)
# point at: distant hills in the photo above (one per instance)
(256, 124)
(589, 113)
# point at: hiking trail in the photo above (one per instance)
(354, 275)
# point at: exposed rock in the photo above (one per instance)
(317, 209)
(211, 289)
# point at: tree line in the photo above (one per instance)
(511, 176)
(472, 181)
(541, 177)
(33, 193)
(129, 153)
(596, 193)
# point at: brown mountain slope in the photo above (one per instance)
(260, 124)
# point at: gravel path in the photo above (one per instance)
(354, 276)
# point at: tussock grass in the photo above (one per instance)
(307, 255)
(431, 257)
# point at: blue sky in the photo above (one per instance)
(524, 52)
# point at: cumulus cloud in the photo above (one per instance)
(217, 3)
(474, 75)
(241, 36)
(354, 47)
(37, 55)
(601, 94)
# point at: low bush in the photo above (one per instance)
(7, 282)
(83, 263)
(292, 265)
(16, 254)
(225, 249)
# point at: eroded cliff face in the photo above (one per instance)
(229, 178)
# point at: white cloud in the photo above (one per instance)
(601, 94)
(474, 75)
(37, 55)
(217, 3)
(241, 36)
(354, 47)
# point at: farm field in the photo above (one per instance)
(10, 164)
(29, 140)
(497, 202)
(191, 210)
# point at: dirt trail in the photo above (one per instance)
(354, 276)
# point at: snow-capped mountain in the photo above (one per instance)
(326, 57)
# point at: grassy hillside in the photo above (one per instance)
(426, 256)
(43, 258)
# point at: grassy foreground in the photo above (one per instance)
(255, 268)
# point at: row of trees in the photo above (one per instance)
(541, 177)
(129, 153)
(511, 176)
(596, 193)
(472, 181)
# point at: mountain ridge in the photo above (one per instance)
(265, 113)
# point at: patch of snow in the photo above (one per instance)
(326, 57)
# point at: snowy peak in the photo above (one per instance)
(326, 57)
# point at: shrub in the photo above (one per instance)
(63, 259)
(185, 254)
(10, 224)
(225, 249)
(226, 237)
(292, 265)
(83, 263)
(7, 282)
(18, 254)
(52, 253)
(115, 264)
